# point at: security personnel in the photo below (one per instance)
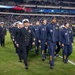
(43, 38)
(36, 35)
(67, 40)
(2, 33)
(52, 32)
(26, 36)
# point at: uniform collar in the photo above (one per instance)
(26, 27)
(53, 23)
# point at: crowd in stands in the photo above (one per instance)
(10, 19)
(10, 3)
(34, 2)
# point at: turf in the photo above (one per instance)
(10, 65)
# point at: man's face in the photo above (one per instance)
(54, 20)
(21, 26)
(67, 25)
(45, 22)
(17, 25)
(2, 24)
(37, 23)
(26, 24)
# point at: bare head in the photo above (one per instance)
(37, 23)
(66, 24)
(53, 20)
(44, 21)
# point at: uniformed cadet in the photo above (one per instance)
(2, 33)
(18, 42)
(67, 40)
(52, 32)
(14, 33)
(10, 30)
(26, 37)
(36, 35)
(31, 26)
(58, 43)
(43, 38)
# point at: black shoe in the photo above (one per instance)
(20, 61)
(37, 53)
(26, 67)
(51, 67)
(43, 59)
(3, 45)
(65, 62)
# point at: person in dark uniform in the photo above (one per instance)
(52, 32)
(26, 36)
(43, 38)
(58, 43)
(67, 41)
(10, 30)
(18, 42)
(2, 33)
(13, 34)
(31, 26)
(36, 35)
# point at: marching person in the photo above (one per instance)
(14, 34)
(26, 36)
(36, 35)
(2, 33)
(43, 38)
(18, 42)
(67, 41)
(58, 43)
(52, 32)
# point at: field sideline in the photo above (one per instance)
(9, 64)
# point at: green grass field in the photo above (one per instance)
(10, 65)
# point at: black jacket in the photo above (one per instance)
(26, 36)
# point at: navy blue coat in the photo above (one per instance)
(43, 33)
(17, 34)
(60, 29)
(26, 36)
(13, 31)
(66, 36)
(31, 27)
(36, 31)
(2, 31)
(53, 32)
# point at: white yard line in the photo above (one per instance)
(68, 61)
(73, 47)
